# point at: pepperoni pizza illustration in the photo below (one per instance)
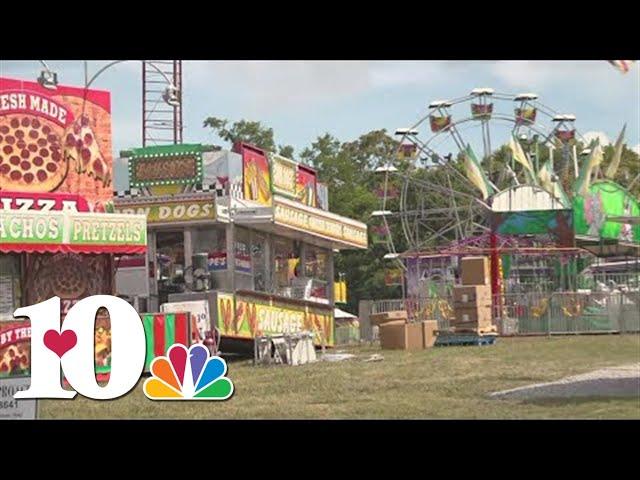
(36, 154)
(82, 148)
(31, 157)
(13, 359)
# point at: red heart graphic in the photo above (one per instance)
(60, 343)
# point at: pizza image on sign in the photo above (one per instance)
(15, 348)
(55, 141)
(31, 159)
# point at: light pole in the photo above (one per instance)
(49, 79)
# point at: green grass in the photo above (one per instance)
(451, 382)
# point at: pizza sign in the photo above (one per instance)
(32, 103)
(44, 202)
(55, 140)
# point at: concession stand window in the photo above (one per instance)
(316, 271)
(243, 251)
(286, 265)
(212, 241)
(259, 261)
(170, 261)
(251, 259)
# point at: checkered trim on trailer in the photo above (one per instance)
(134, 192)
(219, 189)
(216, 188)
(235, 190)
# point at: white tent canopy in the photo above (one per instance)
(341, 314)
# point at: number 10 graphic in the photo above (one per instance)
(72, 348)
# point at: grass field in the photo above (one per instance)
(451, 382)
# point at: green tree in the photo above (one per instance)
(628, 169)
(348, 171)
(247, 131)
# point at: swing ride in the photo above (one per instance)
(505, 176)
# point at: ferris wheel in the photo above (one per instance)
(447, 171)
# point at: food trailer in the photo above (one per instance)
(56, 237)
(242, 239)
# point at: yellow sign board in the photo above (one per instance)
(327, 226)
(188, 211)
(247, 316)
(283, 173)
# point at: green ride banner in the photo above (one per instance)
(606, 199)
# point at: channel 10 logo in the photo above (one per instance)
(72, 349)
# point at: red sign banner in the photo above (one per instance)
(42, 201)
(256, 174)
(55, 140)
(306, 185)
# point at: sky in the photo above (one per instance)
(302, 100)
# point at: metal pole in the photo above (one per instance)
(495, 281)
(111, 64)
(231, 251)
(549, 306)
(45, 66)
(175, 107)
(144, 102)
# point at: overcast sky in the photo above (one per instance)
(302, 100)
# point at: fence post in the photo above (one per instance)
(549, 308)
(364, 311)
(621, 313)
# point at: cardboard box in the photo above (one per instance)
(475, 271)
(429, 328)
(481, 315)
(471, 295)
(381, 318)
(406, 336)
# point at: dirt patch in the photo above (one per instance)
(620, 381)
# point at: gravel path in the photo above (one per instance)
(621, 381)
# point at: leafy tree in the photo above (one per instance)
(348, 170)
(628, 169)
(246, 131)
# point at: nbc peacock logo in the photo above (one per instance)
(188, 374)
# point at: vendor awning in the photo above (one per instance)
(71, 232)
(294, 219)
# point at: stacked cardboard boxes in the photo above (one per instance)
(472, 299)
(397, 333)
